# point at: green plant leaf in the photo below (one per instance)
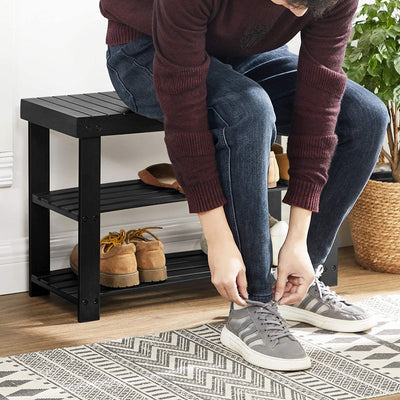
(378, 36)
(396, 63)
(356, 74)
(354, 55)
(364, 41)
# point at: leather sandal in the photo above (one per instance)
(161, 175)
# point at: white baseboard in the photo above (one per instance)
(6, 168)
(177, 235)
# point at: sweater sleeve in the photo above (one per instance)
(180, 70)
(320, 86)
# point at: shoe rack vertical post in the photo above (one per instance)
(89, 229)
(39, 217)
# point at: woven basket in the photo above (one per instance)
(375, 227)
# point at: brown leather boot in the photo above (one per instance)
(118, 266)
(149, 255)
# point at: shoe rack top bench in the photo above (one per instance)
(88, 117)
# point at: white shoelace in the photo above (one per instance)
(326, 294)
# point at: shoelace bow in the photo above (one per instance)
(113, 239)
(138, 233)
(277, 326)
(324, 291)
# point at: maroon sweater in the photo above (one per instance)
(187, 32)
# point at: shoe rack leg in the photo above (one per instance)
(330, 275)
(39, 217)
(274, 203)
(89, 230)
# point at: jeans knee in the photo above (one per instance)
(363, 116)
(249, 112)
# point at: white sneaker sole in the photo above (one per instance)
(234, 343)
(331, 324)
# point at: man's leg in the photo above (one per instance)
(242, 121)
(360, 129)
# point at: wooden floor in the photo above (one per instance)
(32, 324)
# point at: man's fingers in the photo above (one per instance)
(280, 286)
(233, 295)
(294, 296)
(241, 281)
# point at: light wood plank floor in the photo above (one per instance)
(33, 324)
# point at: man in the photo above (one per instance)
(217, 73)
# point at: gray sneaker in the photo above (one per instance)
(260, 335)
(323, 308)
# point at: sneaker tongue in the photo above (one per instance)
(261, 304)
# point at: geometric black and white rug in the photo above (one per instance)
(191, 364)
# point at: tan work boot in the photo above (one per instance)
(118, 266)
(149, 255)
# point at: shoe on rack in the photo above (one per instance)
(261, 336)
(282, 160)
(161, 175)
(118, 267)
(149, 255)
(325, 309)
(278, 236)
(273, 171)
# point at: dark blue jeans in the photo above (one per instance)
(250, 99)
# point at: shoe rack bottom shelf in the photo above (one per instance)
(184, 266)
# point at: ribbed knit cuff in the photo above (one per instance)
(303, 194)
(205, 196)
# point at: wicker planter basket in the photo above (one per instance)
(375, 227)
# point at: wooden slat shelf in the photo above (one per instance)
(184, 266)
(114, 196)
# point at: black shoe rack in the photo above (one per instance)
(88, 117)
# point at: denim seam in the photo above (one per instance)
(123, 85)
(230, 174)
(147, 70)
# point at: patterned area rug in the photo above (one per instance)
(191, 364)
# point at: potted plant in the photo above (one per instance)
(373, 60)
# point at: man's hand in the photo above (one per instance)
(228, 273)
(295, 273)
(295, 270)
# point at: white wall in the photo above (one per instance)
(55, 48)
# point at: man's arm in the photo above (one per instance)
(320, 86)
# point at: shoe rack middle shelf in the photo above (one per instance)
(115, 196)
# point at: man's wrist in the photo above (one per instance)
(299, 223)
(215, 225)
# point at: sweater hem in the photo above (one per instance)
(118, 34)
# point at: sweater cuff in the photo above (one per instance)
(303, 194)
(204, 196)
